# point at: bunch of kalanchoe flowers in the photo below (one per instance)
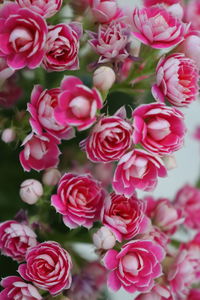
(67, 71)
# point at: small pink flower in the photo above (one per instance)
(15, 239)
(135, 267)
(15, 289)
(158, 292)
(77, 104)
(40, 152)
(124, 216)
(192, 13)
(79, 199)
(159, 128)
(137, 169)
(110, 138)
(42, 107)
(22, 36)
(45, 8)
(157, 27)
(105, 11)
(111, 42)
(62, 47)
(194, 294)
(48, 266)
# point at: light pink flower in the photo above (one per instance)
(15, 239)
(124, 216)
(111, 42)
(42, 107)
(5, 71)
(159, 128)
(62, 47)
(109, 139)
(137, 169)
(77, 104)
(45, 8)
(191, 47)
(194, 294)
(158, 292)
(176, 80)
(15, 289)
(192, 13)
(157, 27)
(135, 267)
(22, 36)
(40, 152)
(48, 266)
(10, 92)
(79, 199)
(105, 11)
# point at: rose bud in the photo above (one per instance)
(30, 191)
(51, 177)
(103, 78)
(104, 238)
(8, 135)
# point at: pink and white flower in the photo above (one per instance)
(135, 267)
(105, 11)
(191, 47)
(22, 36)
(48, 266)
(15, 239)
(77, 104)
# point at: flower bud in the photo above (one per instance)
(103, 78)
(51, 177)
(8, 135)
(169, 162)
(30, 191)
(104, 238)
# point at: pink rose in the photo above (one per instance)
(110, 138)
(79, 199)
(40, 152)
(62, 47)
(15, 289)
(111, 42)
(15, 239)
(77, 104)
(124, 216)
(42, 107)
(22, 36)
(43, 7)
(48, 266)
(177, 80)
(194, 294)
(159, 128)
(192, 13)
(158, 292)
(105, 11)
(157, 27)
(137, 169)
(135, 267)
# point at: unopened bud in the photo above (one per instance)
(30, 191)
(8, 135)
(104, 239)
(103, 78)
(51, 177)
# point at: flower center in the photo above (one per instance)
(158, 129)
(80, 107)
(21, 38)
(131, 263)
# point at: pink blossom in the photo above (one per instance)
(10, 92)
(62, 47)
(5, 71)
(124, 216)
(135, 267)
(159, 128)
(105, 11)
(15, 239)
(191, 47)
(40, 152)
(192, 13)
(79, 199)
(194, 294)
(48, 266)
(137, 169)
(158, 292)
(45, 8)
(22, 36)
(157, 236)
(42, 107)
(157, 27)
(15, 288)
(77, 104)
(176, 80)
(109, 139)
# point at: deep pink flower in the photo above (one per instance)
(42, 107)
(48, 266)
(154, 2)
(62, 47)
(15, 239)
(194, 294)
(159, 128)
(16, 289)
(157, 27)
(79, 199)
(137, 169)
(109, 139)
(40, 152)
(105, 11)
(77, 104)
(192, 13)
(176, 80)
(135, 267)
(10, 92)
(158, 292)
(22, 36)
(45, 8)
(124, 216)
